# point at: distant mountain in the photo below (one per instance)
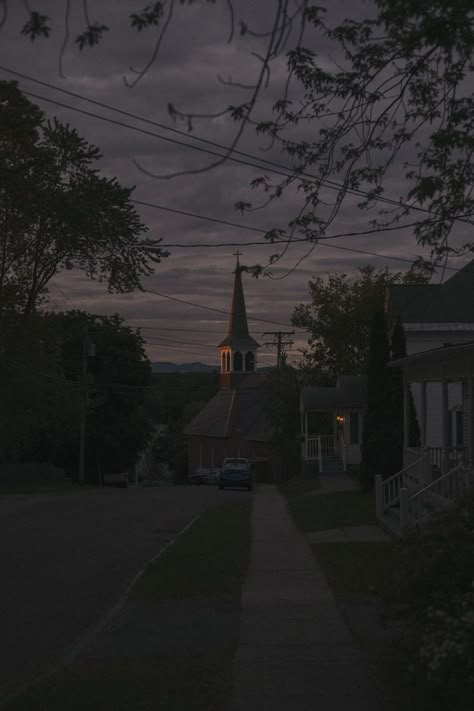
(196, 367)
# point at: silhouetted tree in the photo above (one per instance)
(58, 213)
(377, 441)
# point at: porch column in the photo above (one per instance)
(306, 436)
(303, 437)
(423, 413)
(470, 416)
(406, 411)
(444, 423)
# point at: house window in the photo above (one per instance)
(354, 428)
(249, 361)
(238, 361)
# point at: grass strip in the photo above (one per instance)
(325, 511)
(209, 561)
(134, 684)
(298, 486)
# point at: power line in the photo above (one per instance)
(260, 230)
(209, 308)
(277, 168)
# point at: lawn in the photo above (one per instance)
(134, 684)
(298, 486)
(207, 563)
(325, 511)
(357, 571)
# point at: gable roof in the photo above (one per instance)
(350, 392)
(450, 302)
(234, 409)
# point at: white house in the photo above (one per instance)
(433, 477)
(331, 423)
(434, 316)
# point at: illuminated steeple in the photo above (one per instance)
(238, 349)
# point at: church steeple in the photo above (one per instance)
(238, 349)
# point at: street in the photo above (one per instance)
(67, 558)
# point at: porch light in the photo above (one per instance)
(340, 419)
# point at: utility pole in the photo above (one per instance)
(279, 343)
(88, 349)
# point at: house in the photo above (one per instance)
(434, 316)
(433, 477)
(234, 422)
(331, 424)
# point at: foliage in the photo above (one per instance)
(281, 398)
(173, 400)
(338, 320)
(119, 373)
(42, 381)
(395, 99)
(432, 594)
(73, 218)
(386, 94)
(398, 350)
(38, 404)
(380, 441)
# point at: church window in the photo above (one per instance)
(249, 361)
(238, 362)
(223, 362)
(227, 361)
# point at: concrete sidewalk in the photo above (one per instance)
(295, 651)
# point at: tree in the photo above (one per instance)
(281, 398)
(390, 96)
(378, 436)
(338, 320)
(118, 426)
(398, 348)
(72, 217)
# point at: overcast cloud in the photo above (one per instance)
(194, 50)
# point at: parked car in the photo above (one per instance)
(204, 475)
(236, 463)
(236, 472)
(199, 476)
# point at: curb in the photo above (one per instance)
(92, 632)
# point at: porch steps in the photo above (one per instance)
(390, 522)
(332, 463)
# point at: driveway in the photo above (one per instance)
(67, 558)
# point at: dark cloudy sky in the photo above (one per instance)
(193, 52)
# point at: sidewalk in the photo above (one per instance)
(295, 652)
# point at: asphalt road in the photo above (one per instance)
(66, 559)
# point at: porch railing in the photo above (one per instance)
(388, 491)
(436, 496)
(319, 446)
(445, 459)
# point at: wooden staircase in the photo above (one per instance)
(411, 497)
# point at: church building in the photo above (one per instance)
(234, 422)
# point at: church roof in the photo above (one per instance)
(238, 333)
(234, 409)
(450, 302)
